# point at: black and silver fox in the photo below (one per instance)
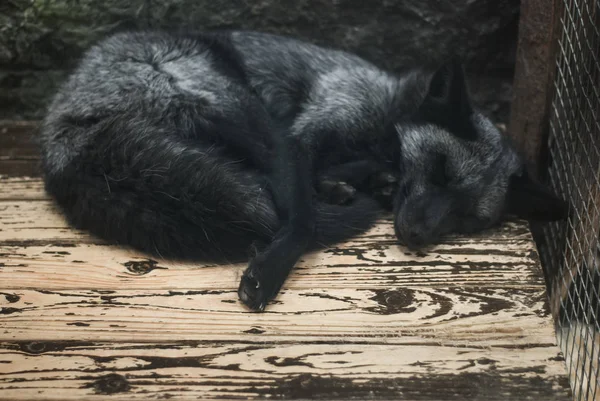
(204, 146)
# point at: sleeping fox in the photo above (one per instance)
(206, 145)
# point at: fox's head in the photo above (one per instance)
(459, 173)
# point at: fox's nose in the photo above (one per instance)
(413, 237)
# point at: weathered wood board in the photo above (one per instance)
(19, 155)
(81, 319)
(263, 369)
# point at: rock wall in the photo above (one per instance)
(40, 40)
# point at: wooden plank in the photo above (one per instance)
(19, 154)
(263, 369)
(354, 264)
(83, 320)
(451, 316)
(19, 218)
(18, 139)
(351, 343)
(20, 168)
(21, 188)
(39, 250)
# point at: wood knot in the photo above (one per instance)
(391, 302)
(254, 330)
(110, 384)
(11, 298)
(35, 347)
(141, 267)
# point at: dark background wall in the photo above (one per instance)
(41, 39)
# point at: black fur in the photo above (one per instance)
(208, 146)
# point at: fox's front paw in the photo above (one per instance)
(255, 291)
(335, 192)
(382, 180)
(383, 186)
(251, 294)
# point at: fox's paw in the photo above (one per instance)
(382, 181)
(251, 294)
(383, 186)
(336, 192)
(256, 291)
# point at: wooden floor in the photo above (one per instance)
(82, 320)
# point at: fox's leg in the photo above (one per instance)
(293, 186)
(339, 109)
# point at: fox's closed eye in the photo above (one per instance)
(439, 173)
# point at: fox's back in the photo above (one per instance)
(145, 76)
(289, 74)
(179, 82)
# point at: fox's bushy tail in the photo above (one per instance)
(174, 200)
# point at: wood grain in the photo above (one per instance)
(259, 369)
(38, 248)
(444, 315)
(21, 188)
(90, 266)
(81, 319)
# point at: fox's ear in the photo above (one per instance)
(447, 101)
(448, 87)
(530, 200)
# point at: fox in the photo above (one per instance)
(257, 147)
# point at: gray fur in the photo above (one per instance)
(200, 144)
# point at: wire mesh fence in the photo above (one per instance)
(570, 251)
